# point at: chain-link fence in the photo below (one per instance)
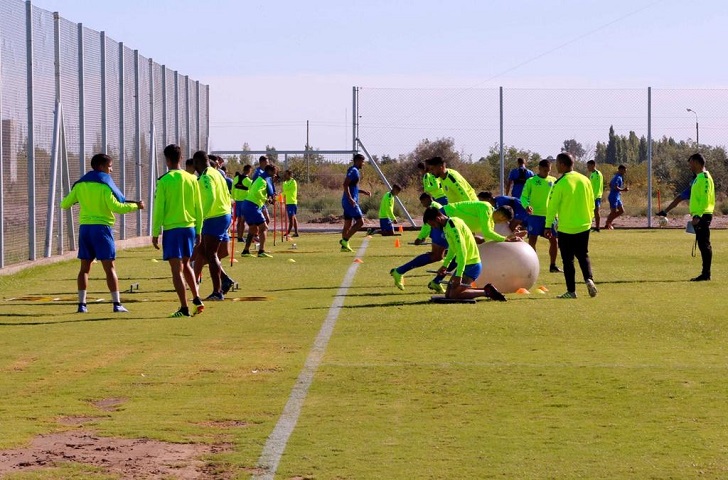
(484, 131)
(66, 93)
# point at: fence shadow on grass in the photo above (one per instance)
(59, 322)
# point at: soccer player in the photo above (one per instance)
(464, 251)
(535, 199)
(98, 198)
(616, 187)
(517, 179)
(177, 215)
(216, 204)
(239, 193)
(259, 192)
(480, 217)
(259, 170)
(290, 192)
(350, 203)
(572, 200)
(597, 180)
(456, 188)
(190, 167)
(431, 185)
(701, 194)
(386, 211)
(519, 213)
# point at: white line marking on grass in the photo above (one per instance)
(276, 444)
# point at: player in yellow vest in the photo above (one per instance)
(290, 194)
(535, 199)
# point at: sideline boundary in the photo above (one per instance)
(278, 439)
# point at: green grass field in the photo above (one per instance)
(630, 384)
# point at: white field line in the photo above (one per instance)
(276, 443)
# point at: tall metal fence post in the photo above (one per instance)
(152, 150)
(649, 157)
(501, 181)
(81, 104)
(187, 116)
(176, 110)
(137, 142)
(122, 137)
(354, 118)
(207, 118)
(165, 138)
(31, 132)
(2, 174)
(55, 154)
(199, 138)
(104, 116)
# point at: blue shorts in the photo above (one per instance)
(239, 208)
(217, 227)
(472, 271)
(178, 243)
(615, 201)
(537, 226)
(386, 225)
(96, 242)
(442, 201)
(597, 202)
(519, 213)
(349, 211)
(291, 209)
(438, 237)
(253, 213)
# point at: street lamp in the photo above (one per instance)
(697, 130)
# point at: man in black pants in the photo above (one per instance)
(701, 194)
(572, 200)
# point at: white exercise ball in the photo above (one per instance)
(508, 265)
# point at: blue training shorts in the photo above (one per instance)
(239, 208)
(615, 201)
(96, 242)
(597, 202)
(472, 271)
(217, 227)
(178, 243)
(349, 211)
(537, 226)
(291, 209)
(442, 201)
(253, 213)
(438, 237)
(386, 225)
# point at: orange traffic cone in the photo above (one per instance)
(396, 243)
(401, 230)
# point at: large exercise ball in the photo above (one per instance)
(508, 265)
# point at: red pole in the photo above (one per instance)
(234, 231)
(274, 222)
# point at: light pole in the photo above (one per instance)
(697, 130)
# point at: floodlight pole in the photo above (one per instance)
(697, 128)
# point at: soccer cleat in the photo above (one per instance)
(493, 293)
(119, 308)
(82, 308)
(197, 308)
(701, 278)
(295, 235)
(345, 246)
(240, 240)
(398, 278)
(227, 284)
(245, 253)
(370, 231)
(567, 295)
(179, 313)
(263, 254)
(592, 288)
(215, 297)
(595, 229)
(555, 269)
(437, 287)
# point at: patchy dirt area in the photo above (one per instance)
(130, 459)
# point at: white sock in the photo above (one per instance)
(116, 297)
(82, 296)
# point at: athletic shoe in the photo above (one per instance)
(701, 278)
(555, 269)
(179, 313)
(119, 308)
(398, 278)
(592, 288)
(294, 235)
(82, 308)
(215, 297)
(567, 295)
(262, 254)
(437, 287)
(227, 284)
(370, 231)
(595, 229)
(345, 246)
(245, 253)
(197, 308)
(493, 293)
(240, 240)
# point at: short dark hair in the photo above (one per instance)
(426, 196)
(520, 160)
(397, 186)
(544, 163)
(698, 157)
(591, 162)
(435, 161)
(485, 195)
(189, 162)
(247, 168)
(200, 156)
(421, 166)
(262, 158)
(507, 212)
(173, 153)
(621, 167)
(99, 160)
(358, 156)
(431, 213)
(270, 169)
(565, 159)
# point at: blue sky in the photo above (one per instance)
(273, 65)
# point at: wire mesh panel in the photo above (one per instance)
(128, 185)
(183, 117)
(92, 94)
(204, 117)
(159, 116)
(194, 139)
(172, 117)
(113, 117)
(142, 166)
(14, 118)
